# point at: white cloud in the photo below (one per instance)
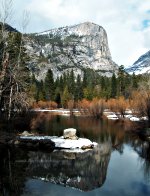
(123, 21)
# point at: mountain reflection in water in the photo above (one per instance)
(84, 171)
(119, 165)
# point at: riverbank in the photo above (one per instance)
(107, 113)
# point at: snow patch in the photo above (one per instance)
(133, 118)
(60, 142)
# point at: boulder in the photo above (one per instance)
(70, 133)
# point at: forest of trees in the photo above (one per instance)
(94, 92)
(91, 85)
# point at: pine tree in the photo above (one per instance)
(41, 94)
(121, 80)
(128, 85)
(49, 86)
(113, 86)
(61, 84)
(65, 97)
(85, 76)
(102, 83)
(71, 83)
(78, 89)
(88, 93)
(134, 81)
(57, 98)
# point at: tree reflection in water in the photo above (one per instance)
(12, 173)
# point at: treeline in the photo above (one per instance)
(91, 85)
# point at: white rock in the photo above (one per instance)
(70, 133)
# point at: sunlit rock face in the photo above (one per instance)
(84, 171)
(73, 47)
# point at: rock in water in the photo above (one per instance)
(70, 134)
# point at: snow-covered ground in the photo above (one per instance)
(109, 114)
(63, 112)
(128, 115)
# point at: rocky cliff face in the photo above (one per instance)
(74, 47)
(141, 66)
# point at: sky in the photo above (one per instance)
(127, 22)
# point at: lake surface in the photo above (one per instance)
(120, 165)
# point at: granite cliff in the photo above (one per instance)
(70, 48)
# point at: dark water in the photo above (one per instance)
(120, 165)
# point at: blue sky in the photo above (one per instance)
(146, 23)
(127, 22)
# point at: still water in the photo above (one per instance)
(119, 166)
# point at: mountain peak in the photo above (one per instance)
(141, 66)
(82, 29)
(88, 28)
(88, 23)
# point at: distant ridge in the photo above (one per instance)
(141, 66)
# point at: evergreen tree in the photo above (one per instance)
(49, 86)
(102, 83)
(88, 93)
(121, 80)
(61, 84)
(128, 85)
(65, 97)
(134, 81)
(33, 88)
(113, 86)
(57, 98)
(78, 89)
(71, 83)
(40, 91)
(85, 76)
(107, 91)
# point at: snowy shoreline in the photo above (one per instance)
(107, 113)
